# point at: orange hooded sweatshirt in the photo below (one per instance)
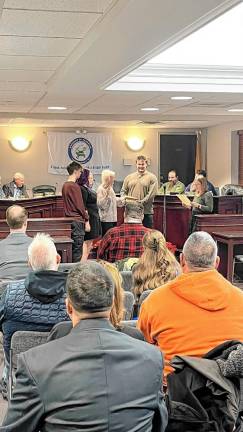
(192, 314)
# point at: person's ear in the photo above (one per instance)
(29, 265)
(217, 261)
(58, 258)
(182, 260)
(69, 308)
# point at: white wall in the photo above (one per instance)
(221, 156)
(34, 162)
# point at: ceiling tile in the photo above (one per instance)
(36, 46)
(49, 24)
(59, 5)
(30, 62)
(20, 75)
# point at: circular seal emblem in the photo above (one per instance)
(80, 150)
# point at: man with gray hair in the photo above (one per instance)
(198, 310)
(37, 302)
(125, 240)
(14, 248)
(93, 379)
(16, 189)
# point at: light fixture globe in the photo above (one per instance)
(135, 143)
(20, 144)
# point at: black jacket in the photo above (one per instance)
(94, 380)
(63, 329)
(199, 397)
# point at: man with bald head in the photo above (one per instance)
(14, 248)
(198, 310)
(16, 189)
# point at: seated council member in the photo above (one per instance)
(202, 202)
(16, 189)
(173, 184)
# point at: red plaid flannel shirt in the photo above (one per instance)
(122, 242)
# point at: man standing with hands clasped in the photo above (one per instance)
(142, 186)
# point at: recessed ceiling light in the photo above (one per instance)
(181, 97)
(150, 109)
(60, 108)
(235, 110)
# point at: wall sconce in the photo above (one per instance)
(19, 143)
(135, 143)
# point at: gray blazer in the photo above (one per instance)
(14, 256)
(8, 189)
(94, 380)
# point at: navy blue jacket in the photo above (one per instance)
(36, 304)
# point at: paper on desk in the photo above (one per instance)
(184, 200)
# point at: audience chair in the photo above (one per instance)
(128, 304)
(131, 323)
(143, 297)
(126, 280)
(44, 190)
(238, 259)
(66, 267)
(22, 341)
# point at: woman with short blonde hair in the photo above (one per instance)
(107, 201)
(156, 266)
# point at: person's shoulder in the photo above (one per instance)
(152, 175)
(131, 176)
(140, 346)
(15, 286)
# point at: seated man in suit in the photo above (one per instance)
(14, 248)
(93, 379)
(173, 185)
(16, 189)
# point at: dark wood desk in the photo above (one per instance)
(177, 219)
(56, 227)
(219, 222)
(64, 248)
(42, 207)
(228, 204)
(227, 241)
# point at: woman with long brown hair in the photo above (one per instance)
(156, 266)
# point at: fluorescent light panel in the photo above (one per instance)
(216, 47)
(58, 108)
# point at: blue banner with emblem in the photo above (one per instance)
(92, 150)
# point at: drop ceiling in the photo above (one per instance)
(63, 52)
